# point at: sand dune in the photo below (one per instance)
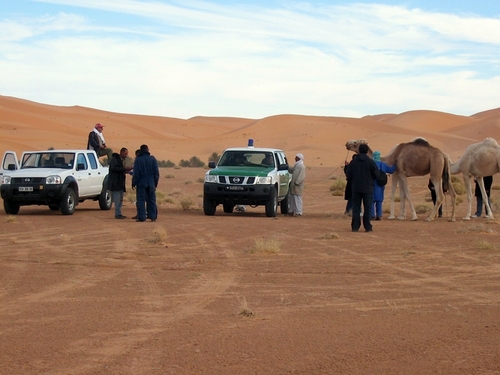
(28, 125)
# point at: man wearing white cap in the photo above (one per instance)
(298, 172)
(97, 143)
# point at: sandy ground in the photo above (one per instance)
(88, 294)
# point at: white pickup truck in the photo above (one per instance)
(59, 179)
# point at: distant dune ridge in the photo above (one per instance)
(26, 125)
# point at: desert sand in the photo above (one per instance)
(192, 294)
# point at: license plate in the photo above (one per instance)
(25, 188)
(236, 188)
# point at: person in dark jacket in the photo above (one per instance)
(434, 197)
(348, 190)
(362, 171)
(488, 181)
(145, 180)
(116, 180)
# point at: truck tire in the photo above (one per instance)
(68, 202)
(208, 207)
(272, 204)
(105, 201)
(228, 207)
(284, 203)
(11, 208)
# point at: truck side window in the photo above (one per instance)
(80, 159)
(93, 162)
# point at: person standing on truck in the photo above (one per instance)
(298, 172)
(97, 143)
(116, 180)
(145, 179)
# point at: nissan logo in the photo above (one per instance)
(236, 180)
(27, 179)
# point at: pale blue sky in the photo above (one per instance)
(253, 58)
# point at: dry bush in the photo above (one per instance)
(266, 246)
(329, 236)
(175, 192)
(475, 228)
(245, 310)
(130, 196)
(459, 188)
(201, 180)
(338, 187)
(397, 199)
(177, 167)
(11, 219)
(485, 245)
(158, 237)
(186, 203)
(187, 182)
(422, 208)
(170, 175)
(455, 179)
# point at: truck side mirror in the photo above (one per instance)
(80, 166)
(211, 164)
(283, 167)
(11, 167)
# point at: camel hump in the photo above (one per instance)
(420, 142)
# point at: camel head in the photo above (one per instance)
(353, 144)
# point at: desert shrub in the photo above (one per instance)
(177, 167)
(329, 236)
(214, 156)
(266, 246)
(397, 199)
(338, 187)
(188, 182)
(159, 236)
(459, 188)
(455, 179)
(175, 192)
(485, 245)
(186, 203)
(200, 180)
(11, 219)
(422, 208)
(194, 162)
(166, 164)
(495, 187)
(170, 175)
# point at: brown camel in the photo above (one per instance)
(479, 160)
(416, 158)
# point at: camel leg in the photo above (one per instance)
(393, 195)
(489, 213)
(407, 196)
(438, 187)
(453, 194)
(468, 183)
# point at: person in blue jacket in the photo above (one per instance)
(378, 191)
(145, 179)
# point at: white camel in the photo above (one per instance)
(479, 160)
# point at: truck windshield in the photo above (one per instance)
(247, 158)
(62, 160)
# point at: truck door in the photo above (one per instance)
(82, 175)
(9, 162)
(283, 176)
(97, 173)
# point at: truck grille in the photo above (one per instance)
(236, 180)
(27, 180)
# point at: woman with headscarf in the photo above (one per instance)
(378, 191)
(298, 172)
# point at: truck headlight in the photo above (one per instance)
(53, 180)
(211, 178)
(6, 180)
(263, 180)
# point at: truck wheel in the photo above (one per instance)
(10, 207)
(272, 204)
(105, 201)
(54, 207)
(208, 207)
(228, 207)
(284, 203)
(68, 202)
